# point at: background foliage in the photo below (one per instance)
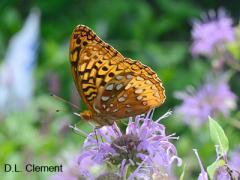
(156, 32)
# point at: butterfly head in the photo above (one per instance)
(86, 115)
(98, 119)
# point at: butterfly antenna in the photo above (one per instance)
(95, 131)
(60, 110)
(65, 101)
(74, 113)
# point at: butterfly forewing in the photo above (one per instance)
(91, 61)
(113, 87)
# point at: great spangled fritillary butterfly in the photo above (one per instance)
(112, 86)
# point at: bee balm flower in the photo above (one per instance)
(143, 150)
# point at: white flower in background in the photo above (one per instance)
(16, 72)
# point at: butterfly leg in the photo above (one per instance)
(95, 131)
(87, 116)
(149, 114)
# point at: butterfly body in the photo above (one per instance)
(112, 86)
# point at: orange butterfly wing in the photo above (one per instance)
(112, 86)
(89, 58)
(133, 92)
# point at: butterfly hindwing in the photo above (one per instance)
(130, 93)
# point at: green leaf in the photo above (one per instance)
(214, 166)
(234, 48)
(218, 136)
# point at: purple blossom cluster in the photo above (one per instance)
(234, 161)
(142, 151)
(211, 99)
(211, 34)
(229, 171)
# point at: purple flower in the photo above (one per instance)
(212, 33)
(71, 170)
(223, 172)
(226, 173)
(143, 150)
(234, 162)
(211, 99)
(231, 169)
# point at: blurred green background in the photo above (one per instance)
(156, 32)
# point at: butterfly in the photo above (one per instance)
(112, 86)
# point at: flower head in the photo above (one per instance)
(209, 100)
(210, 34)
(144, 149)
